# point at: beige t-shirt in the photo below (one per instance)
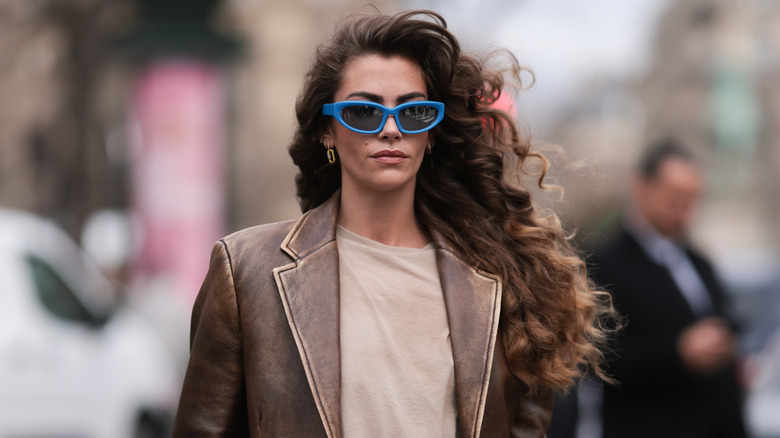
(397, 374)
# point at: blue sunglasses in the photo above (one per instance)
(370, 117)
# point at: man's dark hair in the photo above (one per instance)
(656, 154)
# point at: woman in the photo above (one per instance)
(420, 294)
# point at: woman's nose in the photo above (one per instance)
(390, 130)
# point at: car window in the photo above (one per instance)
(55, 295)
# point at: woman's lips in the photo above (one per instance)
(389, 156)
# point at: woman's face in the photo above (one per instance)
(388, 160)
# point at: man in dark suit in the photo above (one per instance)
(674, 358)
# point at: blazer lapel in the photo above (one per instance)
(473, 301)
(309, 289)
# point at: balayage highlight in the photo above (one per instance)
(552, 317)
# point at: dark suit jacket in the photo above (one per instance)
(265, 352)
(656, 396)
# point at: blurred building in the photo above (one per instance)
(108, 101)
(60, 107)
(711, 83)
(714, 84)
(66, 127)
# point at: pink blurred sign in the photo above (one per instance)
(177, 155)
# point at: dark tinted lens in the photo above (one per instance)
(417, 117)
(365, 118)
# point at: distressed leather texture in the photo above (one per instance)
(264, 342)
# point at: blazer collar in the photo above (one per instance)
(309, 289)
(473, 301)
(315, 229)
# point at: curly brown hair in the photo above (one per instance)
(551, 316)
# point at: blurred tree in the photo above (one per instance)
(69, 151)
(179, 27)
(66, 142)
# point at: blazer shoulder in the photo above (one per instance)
(620, 257)
(265, 238)
(624, 244)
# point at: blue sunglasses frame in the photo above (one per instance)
(334, 110)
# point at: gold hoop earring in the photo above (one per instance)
(331, 155)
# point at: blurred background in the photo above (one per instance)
(135, 133)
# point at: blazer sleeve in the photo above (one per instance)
(213, 397)
(534, 415)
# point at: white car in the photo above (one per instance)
(73, 361)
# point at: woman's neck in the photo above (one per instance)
(385, 217)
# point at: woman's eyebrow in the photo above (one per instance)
(366, 95)
(409, 96)
(379, 99)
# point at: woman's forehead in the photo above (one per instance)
(386, 77)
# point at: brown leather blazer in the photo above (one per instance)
(265, 354)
